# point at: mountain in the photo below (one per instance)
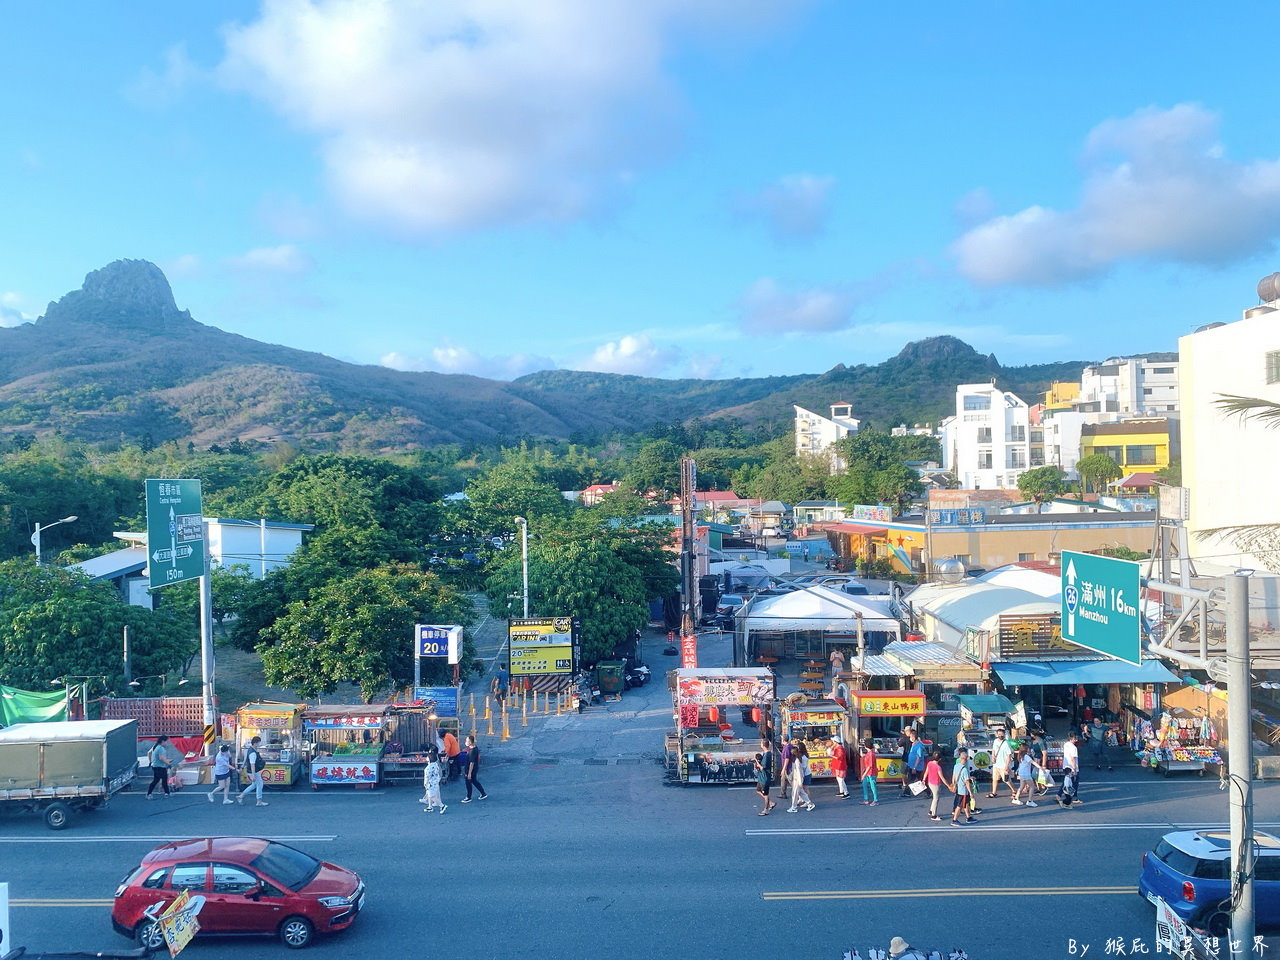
(117, 359)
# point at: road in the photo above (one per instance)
(582, 849)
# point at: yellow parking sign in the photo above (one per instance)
(178, 923)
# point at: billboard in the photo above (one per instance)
(540, 646)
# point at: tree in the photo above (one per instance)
(54, 623)
(655, 469)
(1042, 484)
(358, 628)
(1096, 470)
(1171, 475)
(514, 488)
(896, 486)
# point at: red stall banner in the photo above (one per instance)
(689, 652)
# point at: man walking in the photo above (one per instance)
(473, 769)
(962, 784)
(783, 779)
(1001, 756)
(253, 767)
(451, 751)
(1098, 744)
(916, 759)
(1070, 771)
(501, 680)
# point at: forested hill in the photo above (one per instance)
(117, 360)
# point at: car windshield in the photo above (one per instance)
(285, 865)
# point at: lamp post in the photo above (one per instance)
(524, 562)
(136, 682)
(35, 537)
(79, 682)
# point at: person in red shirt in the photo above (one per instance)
(451, 750)
(933, 779)
(839, 767)
(870, 795)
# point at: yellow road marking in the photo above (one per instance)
(944, 892)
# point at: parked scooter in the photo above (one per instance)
(586, 691)
(637, 674)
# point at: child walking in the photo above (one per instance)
(431, 783)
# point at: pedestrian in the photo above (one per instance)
(905, 743)
(869, 771)
(1070, 771)
(431, 783)
(762, 785)
(784, 776)
(837, 662)
(1027, 768)
(962, 784)
(766, 760)
(1039, 751)
(222, 767)
(917, 756)
(899, 949)
(800, 777)
(1098, 744)
(933, 779)
(252, 763)
(473, 768)
(161, 758)
(501, 680)
(451, 751)
(840, 767)
(1001, 756)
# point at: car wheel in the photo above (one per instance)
(296, 932)
(57, 816)
(148, 935)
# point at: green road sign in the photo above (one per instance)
(175, 532)
(1100, 599)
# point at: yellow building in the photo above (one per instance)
(1061, 396)
(1135, 445)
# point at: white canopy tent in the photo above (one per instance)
(805, 622)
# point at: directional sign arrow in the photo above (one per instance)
(1071, 597)
(177, 553)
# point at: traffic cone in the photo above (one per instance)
(524, 715)
(506, 733)
(488, 714)
(473, 705)
(557, 703)
(489, 732)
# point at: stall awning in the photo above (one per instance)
(862, 529)
(1054, 672)
(981, 704)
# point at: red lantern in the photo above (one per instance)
(713, 714)
(755, 714)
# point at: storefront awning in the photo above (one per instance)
(862, 529)
(1075, 672)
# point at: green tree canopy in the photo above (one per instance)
(1096, 471)
(514, 488)
(655, 469)
(358, 628)
(1042, 484)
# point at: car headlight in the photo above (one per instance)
(121, 889)
(335, 903)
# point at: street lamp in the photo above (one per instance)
(136, 682)
(82, 683)
(35, 537)
(524, 562)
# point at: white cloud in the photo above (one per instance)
(451, 358)
(767, 308)
(152, 88)
(974, 207)
(795, 206)
(1158, 186)
(634, 354)
(438, 115)
(10, 313)
(285, 258)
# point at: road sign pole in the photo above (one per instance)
(206, 644)
(1240, 757)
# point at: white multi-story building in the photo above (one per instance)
(1228, 462)
(815, 433)
(1132, 385)
(988, 443)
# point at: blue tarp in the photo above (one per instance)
(1075, 672)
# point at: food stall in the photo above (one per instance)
(880, 716)
(708, 748)
(280, 727)
(1184, 742)
(813, 721)
(981, 717)
(346, 744)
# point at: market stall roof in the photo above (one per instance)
(878, 665)
(819, 608)
(862, 529)
(933, 661)
(1044, 582)
(713, 673)
(62, 730)
(1074, 672)
(980, 703)
(974, 603)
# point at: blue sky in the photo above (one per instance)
(666, 187)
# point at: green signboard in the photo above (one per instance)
(1100, 599)
(175, 532)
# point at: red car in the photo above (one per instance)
(251, 887)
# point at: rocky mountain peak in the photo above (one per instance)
(933, 349)
(129, 293)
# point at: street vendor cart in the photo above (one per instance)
(1183, 743)
(880, 716)
(813, 722)
(345, 744)
(709, 749)
(280, 727)
(982, 716)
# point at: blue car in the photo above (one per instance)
(1190, 871)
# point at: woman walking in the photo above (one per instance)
(762, 785)
(800, 776)
(222, 767)
(933, 779)
(869, 771)
(431, 783)
(160, 761)
(840, 767)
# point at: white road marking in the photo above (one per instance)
(168, 839)
(989, 827)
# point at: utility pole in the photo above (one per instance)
(524, 563)
(206, 644)
(128, 660)
(688, 477)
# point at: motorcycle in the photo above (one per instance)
(586, 692)
(637, 675)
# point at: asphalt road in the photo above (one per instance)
(569, 859)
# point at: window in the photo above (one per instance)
(288, 866)
(1162, 372)
(965, 558)
(1141, 454)
(1017, 459)
(1115, 453)
(230, 879)
(1024, 557)
(1267, 868)
(1017, 434)
(984, 461)
(1147, 391)
(984, 434)
(156, 880)
(977, 401)
(1273, 366)
(189, 876)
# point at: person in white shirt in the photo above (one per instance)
(1070, 771)
(1000, 757)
